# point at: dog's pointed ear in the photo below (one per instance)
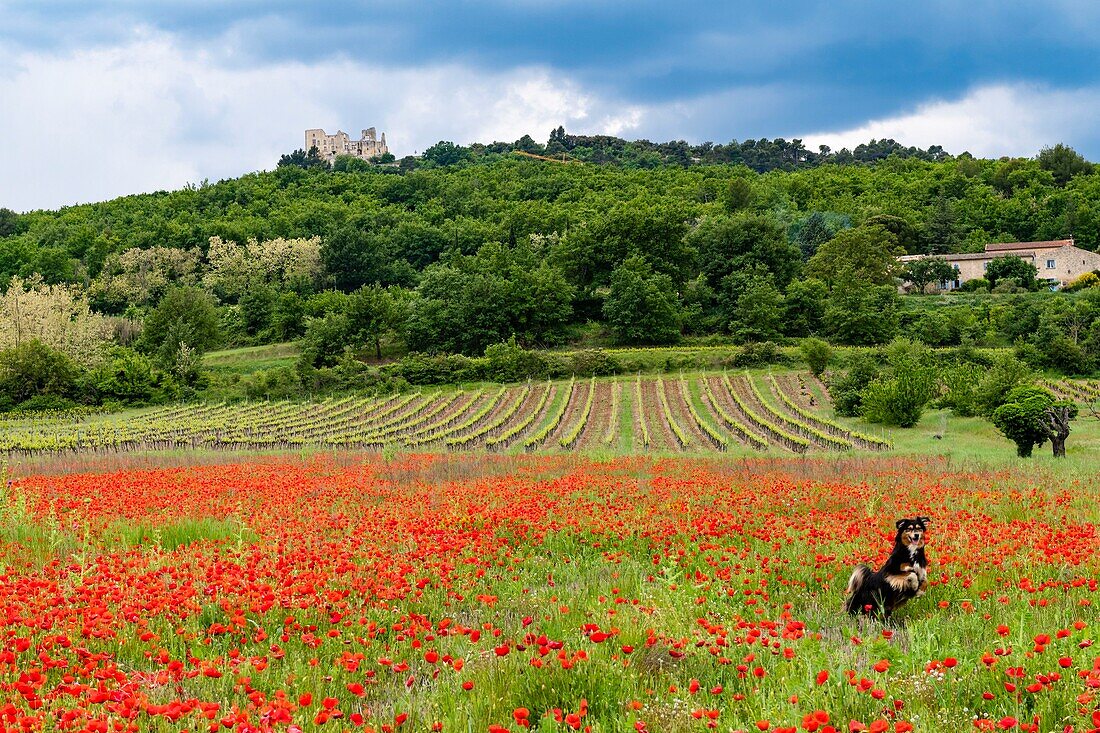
(925, 520)
(901, 523)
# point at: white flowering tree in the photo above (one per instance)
(56, 315)
(233, 268)
(141, 276)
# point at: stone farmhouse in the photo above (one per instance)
(1057, 261)
(329, 146)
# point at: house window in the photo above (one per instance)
(1050, 264)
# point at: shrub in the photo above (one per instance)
(45, 402)
(961, 389)
(847, 391)
(33, 369)
(817, 354)
(1083, 282)
(977, 285)
(899, 396)
(420, 369)
(1029, 354)
(1007, 285)
(1006, 374)
(509, 362)
(127, 377)
(1060, 353)
(757, 354)
(1010, 267)
(593, 363)
(272, 384)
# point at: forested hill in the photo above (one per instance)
(404, 219)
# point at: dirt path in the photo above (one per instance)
(573, 413)
(596, 429)
(660, 434)
(679, 409)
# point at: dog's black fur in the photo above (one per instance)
(902, 577)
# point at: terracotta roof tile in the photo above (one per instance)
(1011, 246)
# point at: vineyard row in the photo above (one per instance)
(712, 413)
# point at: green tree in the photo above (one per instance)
(357, 256)
(350, 164)
(458, 311)
(641, 306)
(373, 315)
(900, 394)
(1064, 163)
(804, 306)
(326, 339)
(862, 315)
(257, 305)
(32, 369)
(699, 307)
(1030, 416)
(927, 270)
(999, 380)
(738, 195)
(301, 159)
(817, 354)
(741, 243)
(185, 320)
(960, 383)
(472, 302)
(445, 153)
(908, 236)
(813, 233)
(10, 223)
(866, 255)
(753, 306)
(1010, 266)
(847, 391)
(288, 317)
(528, 145)
(941, 228)
(127, 377)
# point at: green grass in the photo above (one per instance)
(251, 359)
(179, 533)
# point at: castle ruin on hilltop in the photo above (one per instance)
(329, 146)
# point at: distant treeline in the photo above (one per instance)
(761, 155)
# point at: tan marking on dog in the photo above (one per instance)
(903, 582)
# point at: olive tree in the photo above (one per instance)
(1031, 416)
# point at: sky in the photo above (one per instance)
(102, 99)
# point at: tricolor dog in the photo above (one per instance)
(903, 576)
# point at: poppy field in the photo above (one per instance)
(507, 592)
